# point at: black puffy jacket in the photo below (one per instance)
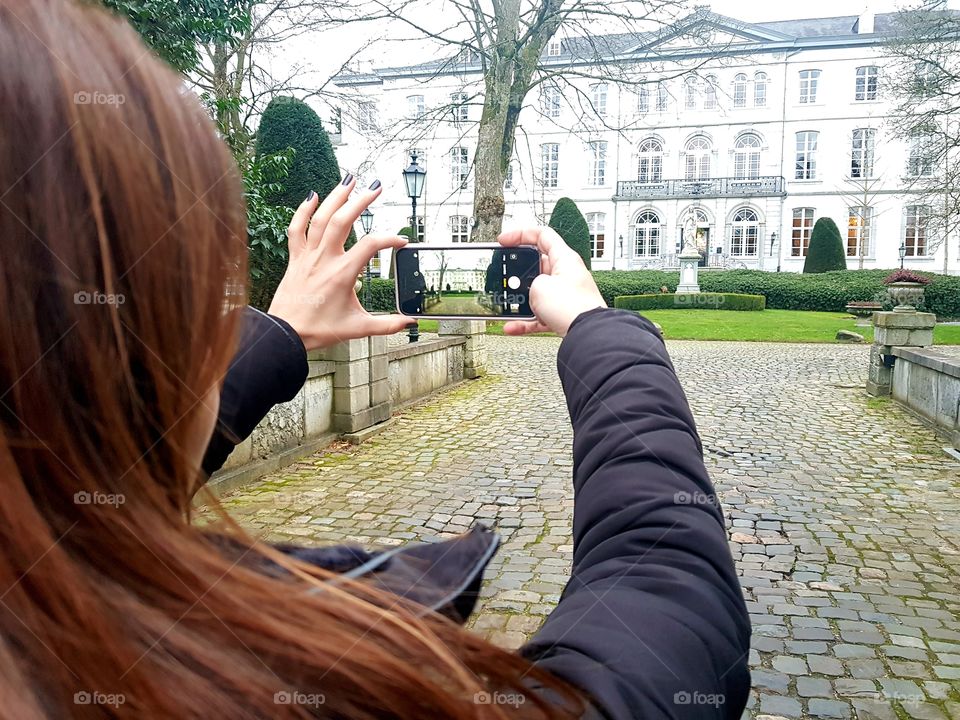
(652, 623)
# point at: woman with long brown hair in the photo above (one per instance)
(122, 239)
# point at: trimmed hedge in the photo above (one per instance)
(691, 301)
(570, 224)
(826, 250)
(826, 292)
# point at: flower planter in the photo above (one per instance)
(906, 295)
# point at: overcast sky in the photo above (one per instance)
(753, 11)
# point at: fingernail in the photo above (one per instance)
(310, 196)
(348, 179)
(376, 184)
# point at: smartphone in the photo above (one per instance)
(472, 280)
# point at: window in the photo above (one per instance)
(650, 164)
(740, 91)
(868, 80)
(459, 229)
(554, 47)
(368, 116)
(809, 80)
(598, 163)
(802, 229)
(550, 164)
(643, 100)
(745, 234)
(926, 78)
(746, 157)
(421, 227)
(647, 235)
(861, 153)
(691, 92)
(699, 156)
(710, 93)
(807, 155)
(598, 97)
(551, 101)
(597, 222)
(416, 107)
(858, 231)
(920, 163)
(662, 96)
(460, 111)
(915, 237)
(459, 167)
(760, 89)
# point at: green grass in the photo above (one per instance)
(765, 326)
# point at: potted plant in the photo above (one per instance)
(906, 289)
(863, 310)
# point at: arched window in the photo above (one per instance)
(760, 81)
(699, 156)
(691, 91)
(647, 235)
(650, 163)
(710, 93)
(746, 157)
(740, 91)
(745, 235)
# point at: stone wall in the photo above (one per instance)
(928, 382)
(352, 390)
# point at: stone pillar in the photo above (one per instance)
(475, 352)
(895, 329)
(689, 270)
(361, 389)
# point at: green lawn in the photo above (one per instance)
(765, 326)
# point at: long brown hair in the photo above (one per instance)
(122, 230)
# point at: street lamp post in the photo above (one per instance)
(414, 177)
(903, 254)
(621, 251)
(366, 220)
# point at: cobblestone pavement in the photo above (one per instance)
(844, 513)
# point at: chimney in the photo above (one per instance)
(866, 21)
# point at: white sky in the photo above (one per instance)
(753, 11)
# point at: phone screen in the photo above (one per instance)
(465, 281)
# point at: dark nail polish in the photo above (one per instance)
(310, 196)
(376, 184)
(348, 179)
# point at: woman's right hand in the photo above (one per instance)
(562, 292)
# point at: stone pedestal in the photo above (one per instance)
(895, 329)
(361, 387)
(689, 271)
(475, 352)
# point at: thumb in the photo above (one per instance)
(386, 324)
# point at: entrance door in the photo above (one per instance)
(703, 245)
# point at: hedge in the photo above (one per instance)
(826, 251)
(570, 224)
(691, 301)
(826, 292)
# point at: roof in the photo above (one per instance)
(772, 36)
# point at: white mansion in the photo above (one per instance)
(783, 123)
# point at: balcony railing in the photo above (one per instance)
(766, 186)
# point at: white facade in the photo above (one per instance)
(790, 125)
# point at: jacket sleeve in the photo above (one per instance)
(652, 623)
(269, 368)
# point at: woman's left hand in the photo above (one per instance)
(317, 295)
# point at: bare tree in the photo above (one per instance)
(924, 77)
(507, 42)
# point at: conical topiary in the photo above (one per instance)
(826, 251)
(570, 224)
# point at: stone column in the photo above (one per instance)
(895, 329)
(475, 353)
(361, 389)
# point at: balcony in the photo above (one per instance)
(766, 186)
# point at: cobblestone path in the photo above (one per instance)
(844, 513)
